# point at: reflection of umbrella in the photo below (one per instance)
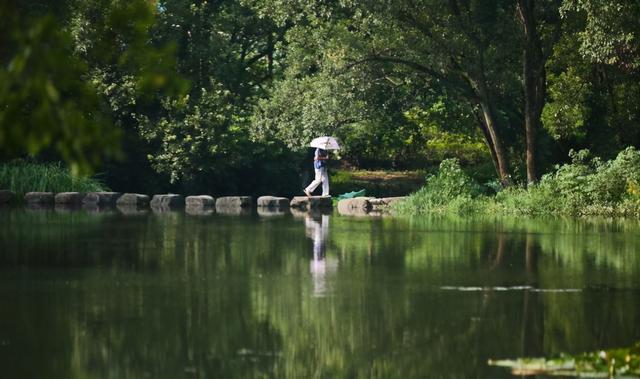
(326, 143)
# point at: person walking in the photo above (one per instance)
(320, 159)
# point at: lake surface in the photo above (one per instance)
(171, 295)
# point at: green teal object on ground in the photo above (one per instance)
(351, 195)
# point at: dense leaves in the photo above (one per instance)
(178, 94)
(45, 102)
(586, 186)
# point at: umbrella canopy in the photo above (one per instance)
(326, 143)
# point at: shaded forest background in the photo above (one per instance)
(222, 96)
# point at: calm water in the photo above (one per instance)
(107, 295)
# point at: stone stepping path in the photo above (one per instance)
(134, 203)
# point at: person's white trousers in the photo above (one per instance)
(321, 177)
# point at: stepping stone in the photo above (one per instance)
(6, 196)
(170, 201)
(385, 203)
(101, 198)
(69, 198)
(234, 202)
(42, 198)
(355, 206)
(273, 202)
(133, 200)
(201, 201)
(313, 202)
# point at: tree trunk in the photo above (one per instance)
(494, 140)
(534, 75)
(487, 140)
(479, 86)
(483, 98)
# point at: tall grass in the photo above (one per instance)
(22, 177)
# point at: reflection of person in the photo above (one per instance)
(320, 266)
(318, 232)
(320, 166)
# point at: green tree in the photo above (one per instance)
(592, 83)
(74, 74)
(47, 105)
(467, 50)
(132, 73)
(230, 55)
(611, 32)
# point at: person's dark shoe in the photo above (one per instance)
(306, 192)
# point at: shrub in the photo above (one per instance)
(450, 189)
(583, 187)
(586, 186)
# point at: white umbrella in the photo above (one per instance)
(325, 143)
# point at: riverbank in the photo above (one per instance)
(587, 186)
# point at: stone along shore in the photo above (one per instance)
(201, 204)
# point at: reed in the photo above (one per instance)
(22, 177)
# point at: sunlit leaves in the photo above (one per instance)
(566, 112)
(190, 131)
(612, 31)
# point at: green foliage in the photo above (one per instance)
(190, 133)
(449, 190)
(449, 130)
(590, 103)
(22, 177)
(586, 186)
(357, 69)
(299, 110)
(71, 75)
(403, 83)
(46, 101)
(566, 112)
(610, 35)
(113, 38)
(197, 147)
(201, 139)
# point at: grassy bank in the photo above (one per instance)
(586, 186)
(22, 177)
(376, 183)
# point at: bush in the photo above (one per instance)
(449, 190)
(22, 177)
(586, 186)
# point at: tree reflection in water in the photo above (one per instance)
(173, 296)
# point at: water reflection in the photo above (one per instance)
(109, 295)
(321, 266)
